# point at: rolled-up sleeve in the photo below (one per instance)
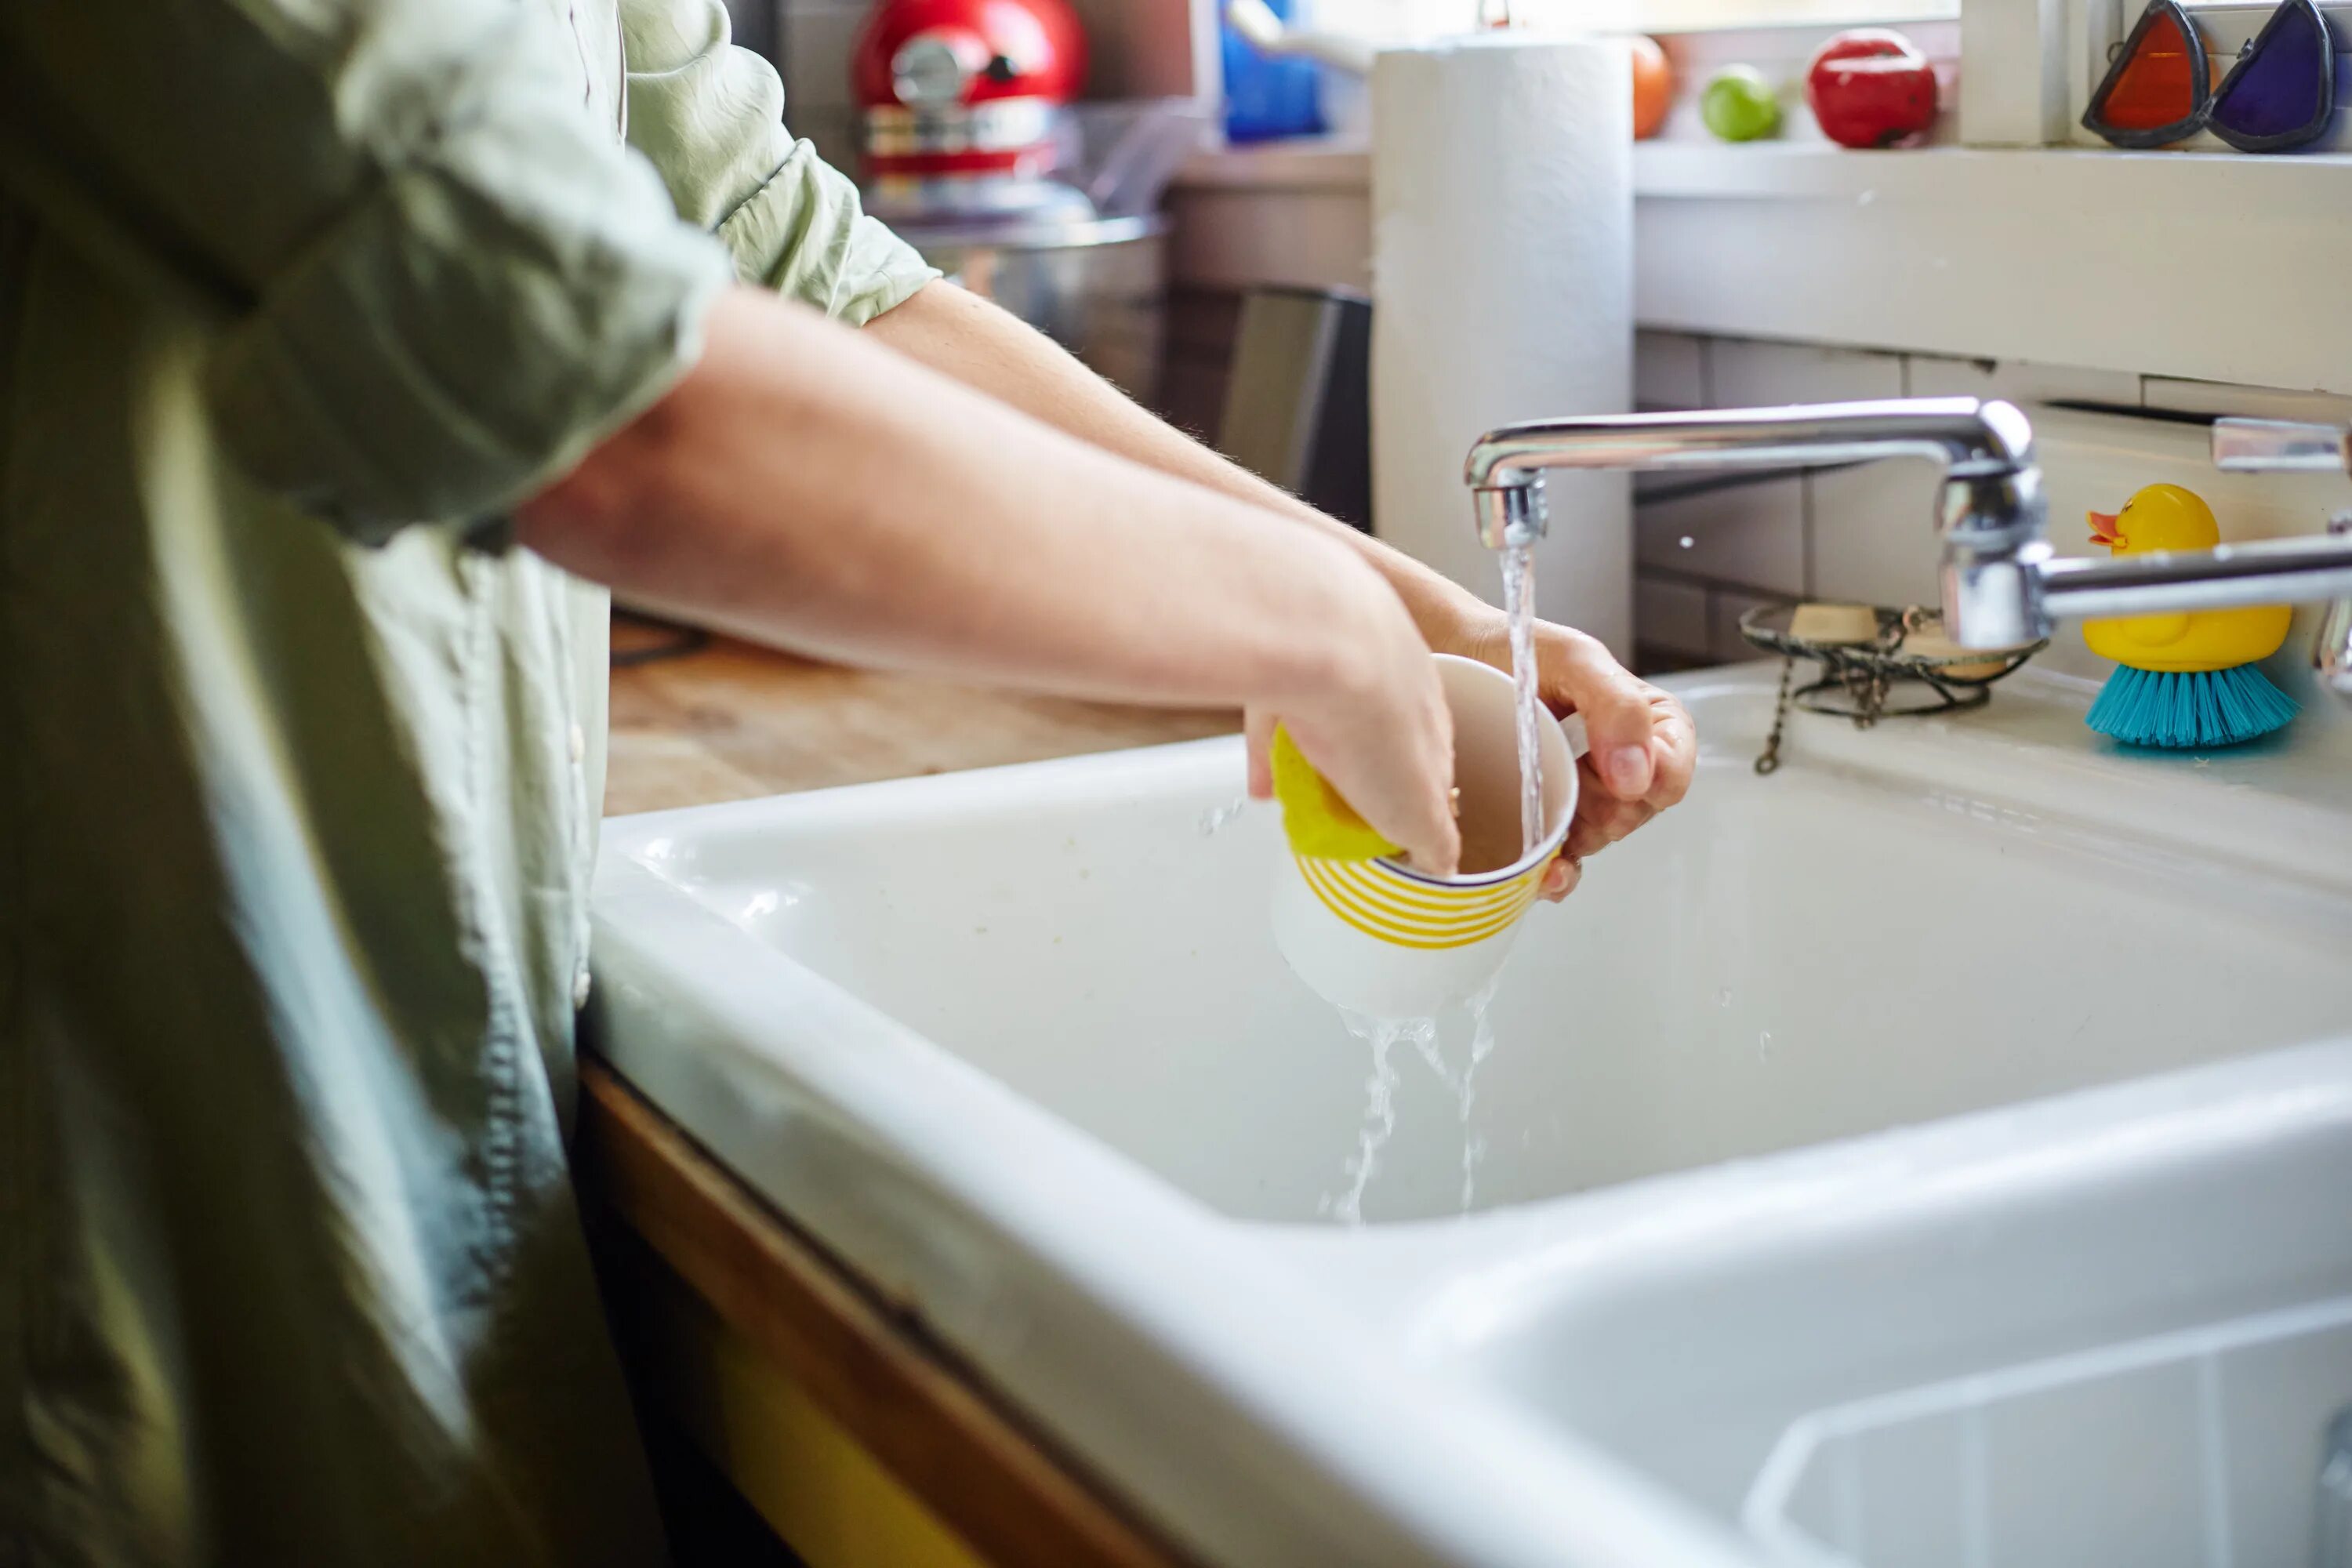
(710, 117)
(436, 280)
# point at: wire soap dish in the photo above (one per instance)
(1859, 680)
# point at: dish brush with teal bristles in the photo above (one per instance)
(2185, 681)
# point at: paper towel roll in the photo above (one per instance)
(1503, 290)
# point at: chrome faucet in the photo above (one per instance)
(2280, 447)
(2002, 585)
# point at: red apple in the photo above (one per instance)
(1870, 87)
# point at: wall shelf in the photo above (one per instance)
(2207, 266)
(2217, 266)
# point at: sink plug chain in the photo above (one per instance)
(1866, 690)
(1770, 760)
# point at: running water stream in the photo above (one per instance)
(1520, 610)
(1383, 1035)
(1482, 1046)
(1380, 1109)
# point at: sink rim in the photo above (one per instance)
(1585, 1248)
(2024, 750)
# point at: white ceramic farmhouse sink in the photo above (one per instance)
(1017, 1044)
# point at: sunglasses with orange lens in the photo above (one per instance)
(2279, 93)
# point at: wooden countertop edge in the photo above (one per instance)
(980, 1467)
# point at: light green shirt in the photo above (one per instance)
(297, 782)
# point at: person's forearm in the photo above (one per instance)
(1642, 749)
(806, 486)
(965, 337)
(803, 487)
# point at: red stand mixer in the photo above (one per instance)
(961, 102)
(978, 154)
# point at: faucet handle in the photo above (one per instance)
(2280, 447)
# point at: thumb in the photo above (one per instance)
(1617, 716)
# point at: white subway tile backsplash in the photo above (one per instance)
(1724, 644)
(2247, 402)
(2094, 462)
(1874, 531)
(1669, 371)
(1750, 374)
(1670, 617)
(1931, 375)
(1751, 534)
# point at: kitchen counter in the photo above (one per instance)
(731, 721)
(856, 1436)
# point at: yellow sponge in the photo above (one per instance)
(1317, 821)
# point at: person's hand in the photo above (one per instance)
(1644, 747)
(1378, 729)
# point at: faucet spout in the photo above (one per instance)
(1992, 510)
(2003, 584)
(1969, 438)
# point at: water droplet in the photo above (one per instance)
(1722, 997)
(1764, 1045)
(1686, 542)
(1214, 819)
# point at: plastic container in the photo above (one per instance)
(1269, 96)
(2200, 1448)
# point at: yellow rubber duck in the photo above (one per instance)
(2167, 517)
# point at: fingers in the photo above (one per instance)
(1618, 717)
(1413, 803)
(1602, 820)
(1561, 877)
(1407, 797)
(1391, 757)
(1435, 843)
(1674, 742)
(1257, 736)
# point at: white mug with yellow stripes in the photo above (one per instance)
(1379, 937)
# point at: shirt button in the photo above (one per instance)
(580, 984)
(579, 745)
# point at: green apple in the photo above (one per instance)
(1739, 105)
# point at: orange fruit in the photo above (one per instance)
(1653, 87)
